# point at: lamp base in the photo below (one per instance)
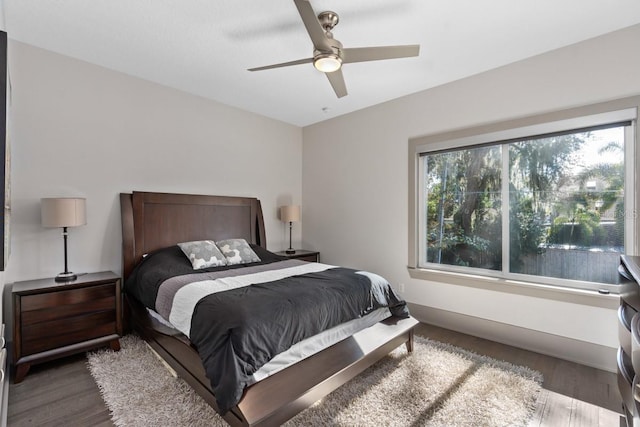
(67, 276)
(290, 251)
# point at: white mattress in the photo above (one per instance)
(311, 345)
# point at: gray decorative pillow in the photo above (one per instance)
(203, 254)
(237, 251)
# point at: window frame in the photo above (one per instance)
(619, 111)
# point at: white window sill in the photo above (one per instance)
(537, 290)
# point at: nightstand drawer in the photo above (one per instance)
(45, 336)
(66, 297)
(301, 254)
(88, 301)
(310, 258)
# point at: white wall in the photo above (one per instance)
(355, 182)
(82, 130)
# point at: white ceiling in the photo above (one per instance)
(205, 46)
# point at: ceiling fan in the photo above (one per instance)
(328, 53)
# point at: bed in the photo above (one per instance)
(152, 221)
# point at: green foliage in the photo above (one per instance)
(582, 230)
(548, 203)
(463, 207)
(458, 249)
(541, 164)
(527, 230)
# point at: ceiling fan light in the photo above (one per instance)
(327, 63)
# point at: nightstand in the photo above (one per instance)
(53, 319)
(311, 256)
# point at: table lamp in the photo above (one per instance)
(64, 213)
(290, 214)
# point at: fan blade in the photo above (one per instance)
(283, 64)
(362, 54)
(337, 82)
(313, 26)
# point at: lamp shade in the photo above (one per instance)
(290, 213)
(63, 212)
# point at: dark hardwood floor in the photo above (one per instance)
(58, 393)
(63, 393)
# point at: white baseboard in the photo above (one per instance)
(585, 353)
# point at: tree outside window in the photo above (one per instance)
(564, 204)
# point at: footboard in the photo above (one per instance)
(278, 398)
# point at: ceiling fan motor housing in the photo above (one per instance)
(328, 20)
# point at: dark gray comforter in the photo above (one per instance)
(236, 331)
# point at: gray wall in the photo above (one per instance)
(82, 130)
(355, 185)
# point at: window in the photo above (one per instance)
(463, 200)
(549, 203)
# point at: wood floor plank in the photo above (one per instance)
(60, 393)
(63, 393)
(583, 414)
(557, 411)
(608, 418)
(536, 420)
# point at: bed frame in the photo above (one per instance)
(155, 220)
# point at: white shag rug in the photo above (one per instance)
(437, 385)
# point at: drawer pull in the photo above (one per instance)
(625, 315)
(3, 364)
(625, 380)
(635, 342)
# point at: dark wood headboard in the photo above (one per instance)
(152, 221)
